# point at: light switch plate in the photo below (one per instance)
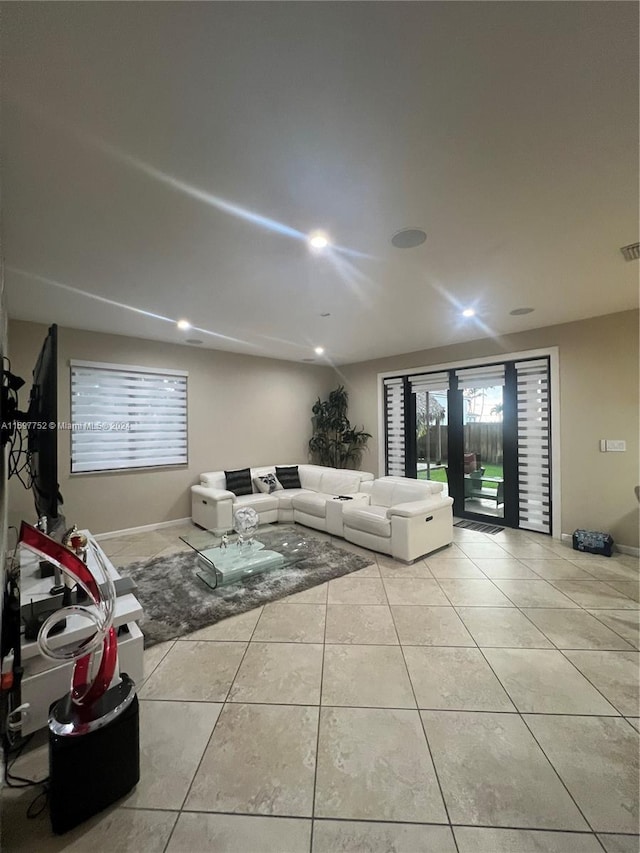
(616, 445)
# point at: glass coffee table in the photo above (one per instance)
(232, 560)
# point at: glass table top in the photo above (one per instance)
(228, 559)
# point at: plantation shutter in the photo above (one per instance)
(127, 417)
(534, 445)
(429, 382)
(480, 377)
(394, 410)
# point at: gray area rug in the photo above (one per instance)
(176, 602)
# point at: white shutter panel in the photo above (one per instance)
(395, 426)
(429, 382)
(481, 377)
(533, 445)
(127, 417)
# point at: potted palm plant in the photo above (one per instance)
(335, 442)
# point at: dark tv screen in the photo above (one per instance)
(43, 429)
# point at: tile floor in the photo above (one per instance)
(483, 700)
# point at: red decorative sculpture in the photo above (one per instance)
(85, 690)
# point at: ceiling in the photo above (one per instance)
(172, 157)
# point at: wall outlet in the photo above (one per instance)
(608, 445)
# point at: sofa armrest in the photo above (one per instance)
(212, 508)
(410, 509)
(213, 494)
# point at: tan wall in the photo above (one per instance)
(598, 399)
(243, 411)
(250, 411)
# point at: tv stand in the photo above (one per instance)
(44, 681)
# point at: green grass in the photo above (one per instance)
(440, 476)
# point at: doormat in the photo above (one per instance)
(479, 526)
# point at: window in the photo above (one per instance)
(127, 417)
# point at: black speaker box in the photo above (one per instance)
(89, 772)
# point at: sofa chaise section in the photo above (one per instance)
(403, 517)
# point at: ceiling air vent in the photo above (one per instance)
(632, 252)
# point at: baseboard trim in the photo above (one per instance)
(143, 529)
(622, 549)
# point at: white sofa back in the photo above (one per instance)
(317, 478)
(389, 491)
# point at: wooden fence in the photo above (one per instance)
(483, 439)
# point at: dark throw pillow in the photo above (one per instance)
(288, 477)
(239, 482)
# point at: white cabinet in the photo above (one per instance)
(45, 681)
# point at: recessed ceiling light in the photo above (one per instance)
(319, 350)
(517, 312)
(469, 312)
(408, 238)
(183, 325)
(318, 240)
(308, 359)
(195, 341)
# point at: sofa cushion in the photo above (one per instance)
(433, 487)
(313, 503)
(239, 481)
(261, 503)
(411, 491)
(370, 519)
(213, 480)
(382, 492)
(339, 482)
(285, 498)
(288, 477)
(388, 491)
(310, 476)
(267, 484)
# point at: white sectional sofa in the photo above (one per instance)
(314, 504)
(402, 517)
(393, 515)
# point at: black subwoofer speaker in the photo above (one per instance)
(90, 771)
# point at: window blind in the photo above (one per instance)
(533, 445)
(395, 427)
(429, 382)
(127, 417)
(481, 377)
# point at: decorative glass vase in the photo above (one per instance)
(245, 524)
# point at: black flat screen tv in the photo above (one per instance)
(43, 432)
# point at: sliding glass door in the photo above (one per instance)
(431, 426)
(481, 431)
(478, 478)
